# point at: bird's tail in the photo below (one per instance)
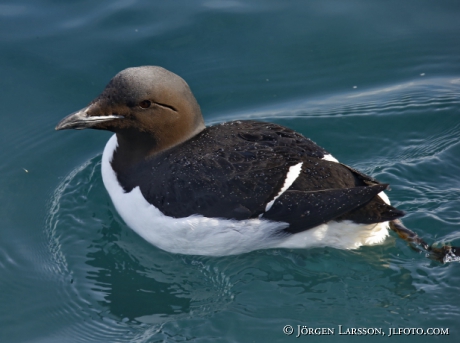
(443, 254)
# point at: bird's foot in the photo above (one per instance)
(443, 254)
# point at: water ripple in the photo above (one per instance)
(436, 94)
(113, 283)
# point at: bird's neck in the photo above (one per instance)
(135, 147)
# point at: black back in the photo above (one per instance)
(233, 170)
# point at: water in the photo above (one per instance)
(375, 83)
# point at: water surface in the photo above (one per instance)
(375, 83)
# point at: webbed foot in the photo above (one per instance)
(443, 254)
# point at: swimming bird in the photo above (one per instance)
(229, 188)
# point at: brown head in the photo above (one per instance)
(149, 108)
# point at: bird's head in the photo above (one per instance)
(144, 102)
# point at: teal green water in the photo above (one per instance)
(377, 83)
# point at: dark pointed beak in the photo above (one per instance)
(82, 120)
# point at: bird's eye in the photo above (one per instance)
(145, 104)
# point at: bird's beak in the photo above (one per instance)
(82, 120)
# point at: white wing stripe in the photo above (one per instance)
(330, 158)
(292, 175)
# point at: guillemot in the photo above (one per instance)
(230, 188)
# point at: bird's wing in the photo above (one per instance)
(305, 210)
(234, 170)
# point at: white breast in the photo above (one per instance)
(198, 235)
